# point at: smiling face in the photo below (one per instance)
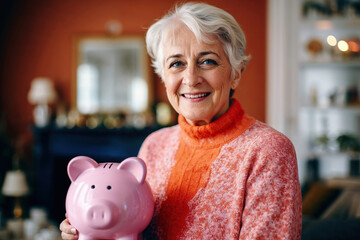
(197, 77)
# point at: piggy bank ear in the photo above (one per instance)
(135, 166)
(79, 164)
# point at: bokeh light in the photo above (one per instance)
(353, 46)
(343, 46)
(331, 40)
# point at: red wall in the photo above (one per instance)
(38, 42)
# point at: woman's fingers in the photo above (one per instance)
(66, 236)
(68, 232)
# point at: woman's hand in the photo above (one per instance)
(68, 232)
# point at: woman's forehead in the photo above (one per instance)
(181, 36)
(176, 31)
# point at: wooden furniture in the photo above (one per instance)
(336, 198)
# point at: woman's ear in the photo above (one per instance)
(236, 79)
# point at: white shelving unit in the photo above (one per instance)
(329, 85)
(314, 88)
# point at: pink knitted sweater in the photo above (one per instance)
(235, 178)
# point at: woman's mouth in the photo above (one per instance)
(195, 96)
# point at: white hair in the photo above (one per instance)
(203, 20)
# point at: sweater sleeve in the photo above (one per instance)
(144, 149)
(272, 207)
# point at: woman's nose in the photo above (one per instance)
(192, 76)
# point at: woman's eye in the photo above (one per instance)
(176, 64)
(209, 62)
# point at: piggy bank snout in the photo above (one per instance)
(102, 215)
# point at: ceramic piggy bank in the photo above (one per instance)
(108, 200)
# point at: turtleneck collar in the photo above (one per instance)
(224, 129)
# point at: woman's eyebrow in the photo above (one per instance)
(208, 53)
(173, 56)
(178, 55)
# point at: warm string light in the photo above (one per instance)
(331, 40)
(343, 45)
(354, 46)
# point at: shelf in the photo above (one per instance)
(331, 23)
(331, 63)
(333, 153)
(347, 109)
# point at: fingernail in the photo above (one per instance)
(73, 230)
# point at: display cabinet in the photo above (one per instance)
(328, 83)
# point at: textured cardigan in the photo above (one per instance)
(235, 178)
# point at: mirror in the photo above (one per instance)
(111, 75)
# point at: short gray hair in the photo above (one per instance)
(203, 20)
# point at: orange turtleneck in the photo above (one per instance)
(199, 146)
(235, 178)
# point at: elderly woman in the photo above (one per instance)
(219, 173)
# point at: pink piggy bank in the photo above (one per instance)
(108, 200)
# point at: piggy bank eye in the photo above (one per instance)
(108, 187)
(92, 186)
